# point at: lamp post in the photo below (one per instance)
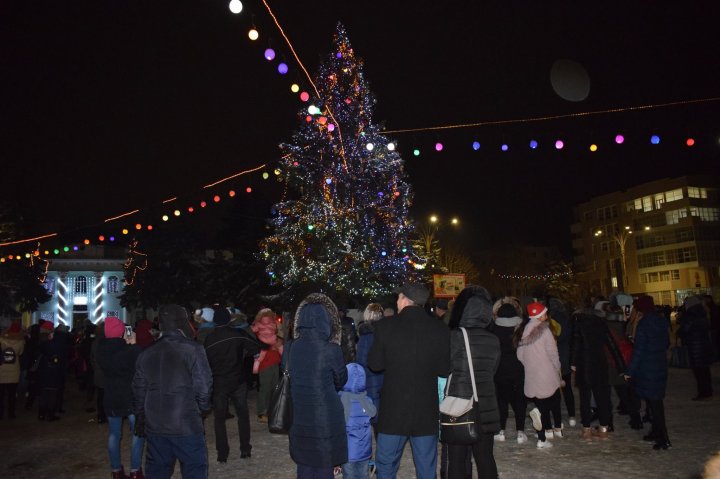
(428, 235)
(620, 238)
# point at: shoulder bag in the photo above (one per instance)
(458, 415)
(280, 409)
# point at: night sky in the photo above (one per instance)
(109, 106)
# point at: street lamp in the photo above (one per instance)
(427, 234)
(620, 238)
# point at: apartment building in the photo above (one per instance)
(660, 238)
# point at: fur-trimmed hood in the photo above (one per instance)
(318, 316)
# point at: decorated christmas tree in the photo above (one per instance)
(342, 224)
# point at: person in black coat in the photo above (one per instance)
(116, 356)
(314, 360)
(648, 369)
(171, 392)
(226, 348)
(510, 376)
(473, 311)
(558, 312)
(590, 363)
(412, 349)
(695, 334)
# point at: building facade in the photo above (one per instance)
(84, 286)
(660, 238)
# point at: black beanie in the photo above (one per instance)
(507, 310)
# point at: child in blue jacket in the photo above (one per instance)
(359, 409)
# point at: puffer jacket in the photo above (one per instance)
(538, 353)
(648, 367)
(695, 334)
(476, 316)
(172, 385)
(591, 342)
(117, 360)
(510, 370)
(317, 371)
(359, 409)
(373, 380)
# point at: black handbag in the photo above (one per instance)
(458, 425)
(280, 414)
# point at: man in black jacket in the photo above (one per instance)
(226, 348)
(171, 389)
(413, 349)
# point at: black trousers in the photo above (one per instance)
(482, 452)
(509, 394)
(237, 398)
(602, 399)
(704, 381)
(8, 390)
(627, 396)
(659, 430)
(568, 394)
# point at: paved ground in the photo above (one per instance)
(75, 448)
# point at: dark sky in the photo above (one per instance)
(109, 106)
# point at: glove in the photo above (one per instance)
(140, 425)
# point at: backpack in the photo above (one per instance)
(624, 346)
(8, 356)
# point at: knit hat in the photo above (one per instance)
(46, 326)
(114, 328)
(536, 310)
(221, 316)
(507, 310)
(645, 304)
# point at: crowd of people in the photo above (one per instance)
(362, 389)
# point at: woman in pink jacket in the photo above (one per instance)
(537, 351)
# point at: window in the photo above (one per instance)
(607, 212)
(659, 199)
(647, 203)
(81, 285)
(112, 284)
(675, 273)
(605, 246)
(705, 214)
(588, 215)
(660, 276)
(673, 217)
(695, 192)
(673, 195)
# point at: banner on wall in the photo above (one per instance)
(448, 285)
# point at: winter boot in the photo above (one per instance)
(521, 437)
(119, 474)
(137, 474)
(601, 432)
(586, 433)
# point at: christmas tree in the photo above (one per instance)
(342, 224)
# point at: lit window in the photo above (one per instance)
(112, 284)
(81, 285)
(674, 195)
(695, 192)
(675, 273)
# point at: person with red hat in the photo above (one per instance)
(537, 350)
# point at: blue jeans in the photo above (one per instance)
(115, 424)
(162, 451)
(356, 470)
(390, 449)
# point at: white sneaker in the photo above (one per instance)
(549, 434)
(521, 437)
(536, 420)
(500, 436)
(557, 433)
(544, 445)
(572, 422)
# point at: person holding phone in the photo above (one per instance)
(117, 354)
